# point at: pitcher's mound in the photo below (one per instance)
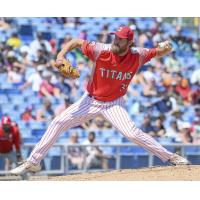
(169, 173)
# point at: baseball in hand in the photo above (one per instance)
(165, 45)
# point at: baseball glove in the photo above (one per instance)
(65, 68)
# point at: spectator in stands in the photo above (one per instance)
(59, 109)
(9, 138)
(42, 58)
(104, 36)
(147, 127)
(71, 56)
(150, 74)
(25, 56)
(159, 128)
(173, 131)
(53, 44)
(172, 63)
(183, 88)
(195, 94)
(172, 93)
(83, 35)
(195, 78)
(27, 115)
(34, 80)
(95, 156)
(15, 76)
(14, 41)
(196, 118)
(149, 89)
(4, 24)
(64, 86)
(186, 133)
(99, 123)
(75, 154)
(46, 113)
(47, 89)
(40, 44)
(11, 61)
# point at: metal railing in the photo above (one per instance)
(64, 162)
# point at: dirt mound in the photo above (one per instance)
(171, 173)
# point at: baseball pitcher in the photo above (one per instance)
(114, 66)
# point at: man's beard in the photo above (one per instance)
(117, 50)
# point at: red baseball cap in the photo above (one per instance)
(6, 120)
(124, 32)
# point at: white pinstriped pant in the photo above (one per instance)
(87, 108)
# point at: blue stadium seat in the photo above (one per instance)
(194, 159)
(7, 108)
(13, 91)
(25, 30)
(23, 125)
(140, 161)
(30, 140)
(190, 150)
(17, 99)
(25, 133)
(127, 162)
(2, 163)
(55, 163)
(3, 99)
(158, 162)
(38, 132)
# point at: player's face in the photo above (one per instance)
(119, 45)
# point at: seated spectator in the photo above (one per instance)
(75, 154)
(71, 56)
(15, 76)
(196, 118)
(40, 44)
(159, 129)
(25, 56)
(53, 44)
(64, 86)
(14, 41)
(63, 107)
(184, 90)
(46, 113)
(149, 89)
(150, 74)
(173, 131)
(34, 80)
(12, 61)
(195, 78)
(163, 104)
(172, 93)
(83, 35)
(27, 115)
(99, 122)
(147, 127)
(41, 58)
(172, 63)
(4, 25)
(47, 89)
(104, 36)
(95, 156)
(186, 133)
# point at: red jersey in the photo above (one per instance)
(112, 74)
(8, 140)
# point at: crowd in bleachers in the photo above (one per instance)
(163, 98)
